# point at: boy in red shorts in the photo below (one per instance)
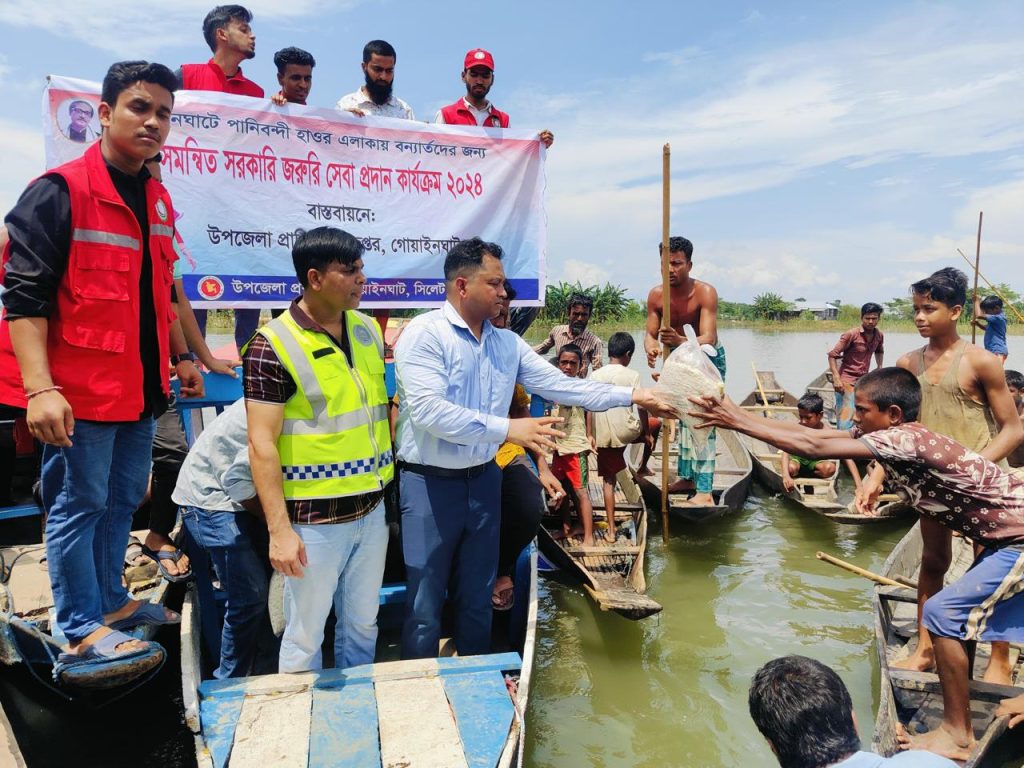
(616, 428)
(570, 459)
(948, 484)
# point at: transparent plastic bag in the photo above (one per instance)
(689, 373)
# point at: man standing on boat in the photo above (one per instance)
(474, 108)
(692, 302)
(320, 451)
(84, 348)
(851, 357)
(456, 373)
(575, 332)
(227, 32)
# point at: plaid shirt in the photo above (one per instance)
(588, 343)
(266, 380)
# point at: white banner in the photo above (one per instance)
(247, 177)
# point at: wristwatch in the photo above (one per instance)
(190, 356)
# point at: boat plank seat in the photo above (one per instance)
(362, 716)
(607, 550)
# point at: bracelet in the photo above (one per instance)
(53, 388)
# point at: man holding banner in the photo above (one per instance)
(84, 348)
(376, 97)
(227, 32)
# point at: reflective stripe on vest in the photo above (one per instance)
(161, 229)
(335, 436)
(107, 238)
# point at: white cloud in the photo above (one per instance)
(23, 161)
(114, 25)
(582, 272)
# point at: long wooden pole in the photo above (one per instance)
(1006, 302)
(878, 579)
(977, 271)
(666, 322)
(760, 388)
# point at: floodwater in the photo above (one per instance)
(667, 691)
(737, 591)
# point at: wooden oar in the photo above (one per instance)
(977, 271)
(878, 579)
(995, 290)
(666, 321)
(760, 387)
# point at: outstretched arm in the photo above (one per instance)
(787, 436)
(708, 315)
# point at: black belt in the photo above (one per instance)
(425, 469)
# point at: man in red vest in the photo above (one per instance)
(474, 108)
(84, 347)
(227, 32)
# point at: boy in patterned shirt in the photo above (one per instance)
(947, 483)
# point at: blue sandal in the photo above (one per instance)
(101, 665)
(147, 614)
(160, 555)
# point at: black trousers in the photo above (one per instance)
(169, 451)
(522, 505)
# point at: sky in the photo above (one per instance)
(821, 150)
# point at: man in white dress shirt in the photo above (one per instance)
(456, 373)
(375, 98)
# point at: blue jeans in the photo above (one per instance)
(246, 323)
(238, 546)
(450, 529)
(91, 491)
(345, 568)
(844, 400)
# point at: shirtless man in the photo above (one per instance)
(692, 302)
(963, 396)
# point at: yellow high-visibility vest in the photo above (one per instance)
(336, 439)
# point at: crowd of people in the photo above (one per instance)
(294, 477)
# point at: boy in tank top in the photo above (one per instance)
(963, 396)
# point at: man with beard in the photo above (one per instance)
(81, 112)
(375, 98)
(474, 108)
(575, 332)
(227, 32)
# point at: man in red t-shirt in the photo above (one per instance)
(227, 32)
(474, 108)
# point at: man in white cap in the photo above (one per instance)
(474, 108)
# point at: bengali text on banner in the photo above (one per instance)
(248, 177)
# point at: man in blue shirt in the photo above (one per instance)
(456, 373)
(804, 711)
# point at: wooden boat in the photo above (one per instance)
(612, 574)
(446, 711)
(28, 631)
(890, 507)
(914, 699)
(816, 494)
(733, 475)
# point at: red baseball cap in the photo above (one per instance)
(478, 57)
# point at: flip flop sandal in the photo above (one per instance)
(101, 665)
(504, 600)
(134, 555)
(147, 614)
(159, 556)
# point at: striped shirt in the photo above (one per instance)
(266, 380)
(588, 343)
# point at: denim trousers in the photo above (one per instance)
(91, 491)
(844, 401)
(345, 568)
(238, 546)
(450, 533)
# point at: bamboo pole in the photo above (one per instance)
(977, 271)
(1006, 302)
(884, 580)
(666, 322)
(760, 389)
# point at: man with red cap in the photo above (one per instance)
(474, 108)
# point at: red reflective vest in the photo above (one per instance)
(93, 338)
(210, 77)
(459, 114)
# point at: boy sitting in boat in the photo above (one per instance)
(569, 463)
(616, 428)
(948, 484)
(810, 410)
(1015, 383)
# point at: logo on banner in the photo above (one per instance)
(362, 335)
(211, 287)
(161, 210)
